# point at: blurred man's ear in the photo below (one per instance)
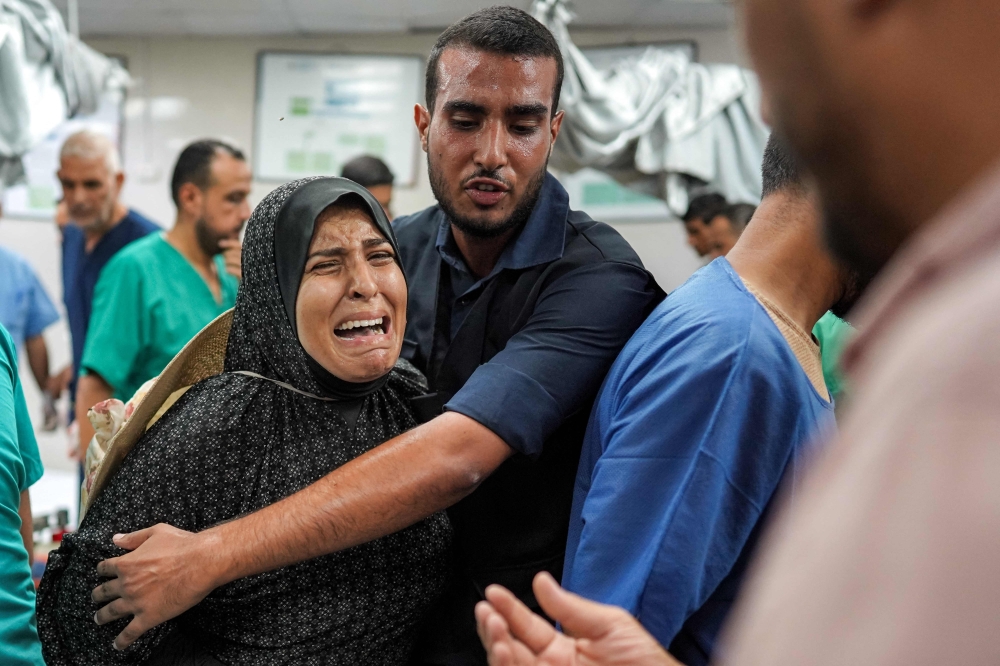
(119, 180)
(191, 200)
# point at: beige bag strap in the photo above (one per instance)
(282, 385)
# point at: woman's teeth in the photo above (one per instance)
(361, 327)
(360, 323)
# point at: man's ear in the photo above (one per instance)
(422, 119)
(119, 180)
(190, 200)
(554, 128)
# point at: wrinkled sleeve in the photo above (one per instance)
(27, 444)
(554, 365)
(18, 636)
(115, 333)
(693, 452)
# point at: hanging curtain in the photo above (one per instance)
(659, 123)
(46, 76)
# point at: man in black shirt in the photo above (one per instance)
(517, 308)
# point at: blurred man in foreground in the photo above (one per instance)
(158, 293)
(99, 226)
(888, 555)
(374, 175)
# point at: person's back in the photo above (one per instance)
(711, 407)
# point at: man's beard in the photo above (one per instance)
(478, 228)
(208, 240)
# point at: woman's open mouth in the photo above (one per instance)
(359, 329)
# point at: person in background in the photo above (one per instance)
(716, 400)
(159, 292)
(729, 231)
(20, 467)
(373, 174)
(833, 334)
(99, 226)
(703, 214)
(26, 311)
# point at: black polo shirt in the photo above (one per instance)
(556, 362)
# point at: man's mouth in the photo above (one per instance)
(358, 329)
(486, 192)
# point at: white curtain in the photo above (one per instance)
(46, 76)
(659, 123)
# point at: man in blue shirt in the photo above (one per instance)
(100, 225)
(708, 409)
(26, 311)
(517, 308)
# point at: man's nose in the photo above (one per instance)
(245, 211)
(491, 151)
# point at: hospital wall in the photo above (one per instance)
(193, 87)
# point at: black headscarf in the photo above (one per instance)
(233, 444)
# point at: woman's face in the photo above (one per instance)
(351, 307)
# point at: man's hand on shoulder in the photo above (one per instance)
(167, 572)
(596, 635)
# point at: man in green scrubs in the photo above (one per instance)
(20, 467)
(158, 292)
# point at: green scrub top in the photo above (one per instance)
(833, 334)
(19, 468)
(148, 303)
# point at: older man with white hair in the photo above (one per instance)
(91, 176)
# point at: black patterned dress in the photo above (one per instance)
(234, 444)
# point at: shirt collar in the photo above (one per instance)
(969, 226)
(541, 241)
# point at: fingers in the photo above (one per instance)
(131, 633)
(578, 616)
(227, 243)
(525, 626)
(107, 591)
(132, 540)
(114, 611)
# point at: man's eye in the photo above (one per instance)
(525, 129)
(464, 124)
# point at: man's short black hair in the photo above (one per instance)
(706, 207)
(780, 170)
(502, 30)
(739, 215)
(194, 165)
(367, 171)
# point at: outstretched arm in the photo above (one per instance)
(596, 635)
(383, 491)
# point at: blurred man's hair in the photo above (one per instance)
(706, 207)
(500, 30)
(194, 165)
(739, 216)
(368, 171)
(90, 145)
(780, 170)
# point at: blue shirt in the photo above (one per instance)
(19, 468)
(25, 308)
(553, 365)
(81, 269)
(704, 414)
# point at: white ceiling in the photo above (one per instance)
(276, 17)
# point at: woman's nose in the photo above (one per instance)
(364, 285)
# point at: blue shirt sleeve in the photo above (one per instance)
(19, 644)
(696, 436)
(41, 312)
(553, 366)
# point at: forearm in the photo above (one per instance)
(38, 360)
(383, 491)
(27, 526)
(91, 389)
